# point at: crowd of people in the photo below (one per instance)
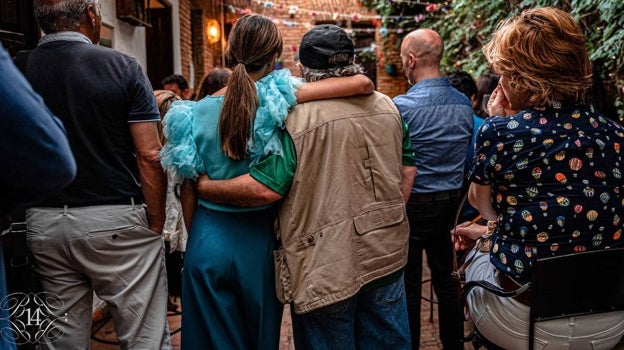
(265, 188)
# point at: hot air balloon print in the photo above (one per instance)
(597, 240)
(526, 215)
(542, 237)
(589, 153)
(519, 266)
(579, 248)
(563, 201)
(575, 164)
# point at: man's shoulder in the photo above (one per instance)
(111, 54)
(433, 96)
(85, 50)
(372, 101)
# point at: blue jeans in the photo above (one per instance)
(430, 230)
(374, 318)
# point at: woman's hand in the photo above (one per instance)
(498, 104)
(465, 233)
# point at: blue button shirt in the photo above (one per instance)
(440, 127)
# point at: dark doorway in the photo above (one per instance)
(159, 45)
(18, 28)
(364, 41)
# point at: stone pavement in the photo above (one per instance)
(429, 340)
(428, 333)
(428, 336)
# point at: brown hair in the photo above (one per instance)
(255, 43)
(164, 99)
(541, 51)
(213, 82)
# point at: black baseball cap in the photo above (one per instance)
(325, 46)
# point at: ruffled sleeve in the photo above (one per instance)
(179, 154)
(276, 94)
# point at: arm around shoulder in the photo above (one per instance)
(335, 87)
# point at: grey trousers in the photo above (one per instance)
(109, 250)
(505, 321)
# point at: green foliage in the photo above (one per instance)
(465, 25)
(367, 56)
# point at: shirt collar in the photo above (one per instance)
(64, 36)
(431, 82)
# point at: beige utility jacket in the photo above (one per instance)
(343, 222)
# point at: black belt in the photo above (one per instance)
(434, 196)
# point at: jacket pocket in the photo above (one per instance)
(378, 218)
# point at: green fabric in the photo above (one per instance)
(408, 153)
(277, 172)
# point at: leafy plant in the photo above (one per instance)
(465, 25)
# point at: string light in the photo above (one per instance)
(282, 13)
(293, 10)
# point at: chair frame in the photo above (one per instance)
(577, 284)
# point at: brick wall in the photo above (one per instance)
(292, 28)
(390, 85)
(186, 54)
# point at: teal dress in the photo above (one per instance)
(228, 283)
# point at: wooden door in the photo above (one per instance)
(18, 28)
(159, 43)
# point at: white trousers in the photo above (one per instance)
(109, 250)
(505, 321)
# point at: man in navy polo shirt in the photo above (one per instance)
(103, 232)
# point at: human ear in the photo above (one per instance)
(411, 60)
(91, 14)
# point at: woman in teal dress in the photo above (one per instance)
(228, 287)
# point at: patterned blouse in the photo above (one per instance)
(556, 177)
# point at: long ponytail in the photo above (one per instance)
(254, 44)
